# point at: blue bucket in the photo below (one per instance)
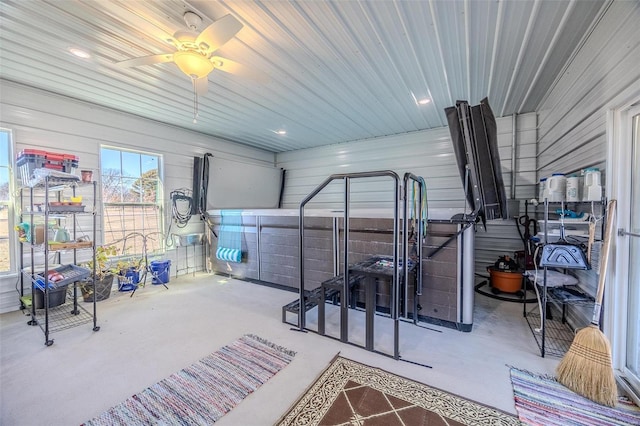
(129, 281)
(160, 271)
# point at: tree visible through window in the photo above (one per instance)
(132, 201)
(5, 201)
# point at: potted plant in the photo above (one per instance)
(103, 278)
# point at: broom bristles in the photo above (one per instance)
(586, 368)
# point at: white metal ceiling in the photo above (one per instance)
(325, 71)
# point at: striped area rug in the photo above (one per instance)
(205, 391)
(541, 400)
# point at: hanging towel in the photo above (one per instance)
(230, 238)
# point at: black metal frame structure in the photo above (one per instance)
(396, 288)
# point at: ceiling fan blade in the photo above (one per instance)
(146, 60)
(218, 33)
(227, 65)
(233, 67)
(201, 85)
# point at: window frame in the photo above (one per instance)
(619, 186)
(159, 203)
(10, 203)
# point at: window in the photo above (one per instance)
(6, 216)
(132, 200)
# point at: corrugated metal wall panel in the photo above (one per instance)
(588, 142)
(592, 126)
(526, 153)
(429, 154)
(500, 237)
(42, 120)
(592, 153)
(597, 64)
(603, 73)
(573, 115)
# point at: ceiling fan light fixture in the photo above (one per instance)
(193, 64)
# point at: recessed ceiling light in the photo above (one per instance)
(280, 132)
(421, 101)
(79, 53)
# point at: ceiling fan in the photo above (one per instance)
(194, 51)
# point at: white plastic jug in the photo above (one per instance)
(592, 189)
(573, 189)
(557, 186)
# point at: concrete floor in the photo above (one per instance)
(157, 332)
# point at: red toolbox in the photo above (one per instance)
(30, 159)
(35, 158)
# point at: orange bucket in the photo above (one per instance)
(506, 281)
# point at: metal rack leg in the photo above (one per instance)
(195, 261)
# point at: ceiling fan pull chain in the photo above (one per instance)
(195, 101)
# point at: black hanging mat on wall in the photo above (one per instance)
(475, 143)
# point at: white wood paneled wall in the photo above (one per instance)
(42, 120)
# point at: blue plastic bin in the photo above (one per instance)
(160, 271)
(129, 281)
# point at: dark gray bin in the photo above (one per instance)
(57, 296)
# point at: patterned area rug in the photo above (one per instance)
(205, 391)
(350, 393)
(541, 400)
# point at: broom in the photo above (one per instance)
(586, 367)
